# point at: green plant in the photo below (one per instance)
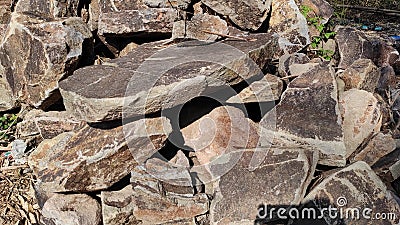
(324, 32)
(7, 121)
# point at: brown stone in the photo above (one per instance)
(287, 60)
(45, 51)
(362, 74)
(354, 187)
(248, 15)
(7, 101)
(71, 209)
(94, 159)
(198, 26)
(55, 8)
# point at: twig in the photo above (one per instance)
(384, 11)
(228, 36)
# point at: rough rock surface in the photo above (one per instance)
(269, 88)
(362, 74)
(291, 26)
(173, 75)
(55, 8)
(309, 111)
(288, 60)
(361, 117)
(139, 204)
(240, 191)
(248, 15)
(356, 186)
(354, 44)
(5, 12)
(379, 146)
(388, 167)
(7, 101)
(38, 125)
(72, 209)
(45, 52)
(223, 130)
(94, 159)
(200, 27)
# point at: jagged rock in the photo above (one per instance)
(362, 74)
(5, 12)
(196, 27)
(55, 8)
(181, 4)
(94, 159)
(38, 125)
(354, 187)
(287, 60)
(388, 167)
(128, 48)
(361, 117)
(269, 88)
(72, 209)
(7, 101)
(241, 191)
(249, 15)
(128, 17)
(223, 130)
(309, 111)
(138, 204)
(387, 80)
(291, 26)
(94, 13)
(45, 52)
(354, 44)
(379, 146)
(169, 77)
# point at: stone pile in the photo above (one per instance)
(210, 113)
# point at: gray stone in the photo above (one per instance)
(5, 12)
(379, 146)
(7, 102)
(243, 189)
(198, 25)
(287, 60)
(269, 88)
(71, 209)
(309, 111)
(55, 8)
(361, 118)
(248, 15)
(45, 52)
(291, 26)
(169, 76)
(354, 187)
(137, 204)
(94, 159)
(388, 167)
(362, 74)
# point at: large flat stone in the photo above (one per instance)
(94, 159)
(45, 51)
(281, 178)
(356, 187)
(154, 77)
(309, 111)
(362, 74)
(248, 15)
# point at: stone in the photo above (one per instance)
(94, 13)
(288, 60)
(354, 44)
(180, 4)
(7, 102)
(45, 51)
(387, 80)
(223, 130)
(362, 74)
(242, 191)
(169, 75)
(269, 88)
(93, 159)
(38, 125)
(129, 17)
(5, 12)
(290, 25)
(249, 15)
(198, 27)
(309, 111)
(320, 8)
(137, 204)
(379, 146)
(55, 8)
(388, 167)
(354, 187)
(73, 209)
(361, 117)
(128, 48)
